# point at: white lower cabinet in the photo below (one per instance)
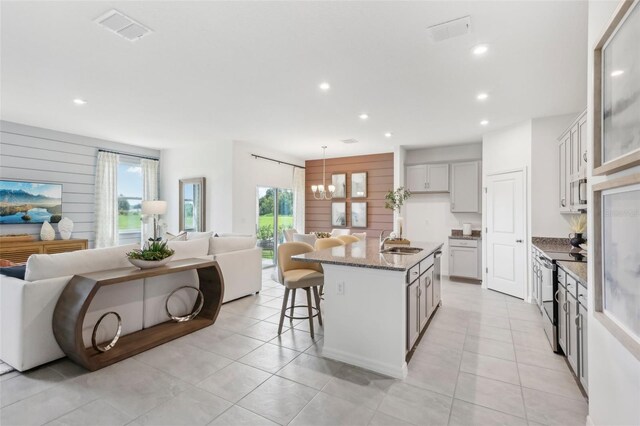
(464, 259)
(413, 321)
(423, 296)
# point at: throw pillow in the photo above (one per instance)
(181, 236)
(198, 235)
(14, 271)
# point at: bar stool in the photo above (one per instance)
(348, 239)
(325, 243)
(293, 275)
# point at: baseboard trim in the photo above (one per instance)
(366, 363)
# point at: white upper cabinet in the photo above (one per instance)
(416, 178)
(465, 187)
(573, 166)
(427, 178)
(437, 178)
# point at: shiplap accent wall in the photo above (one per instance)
(379, 168)
(35, 154)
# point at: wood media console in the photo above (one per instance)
(70, 311)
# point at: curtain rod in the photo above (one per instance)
(256, 156)
(128, 154)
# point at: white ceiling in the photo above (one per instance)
(220, 71)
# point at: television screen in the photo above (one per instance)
(30, 202)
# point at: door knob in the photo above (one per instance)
(519, 241)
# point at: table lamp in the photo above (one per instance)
(154, 208)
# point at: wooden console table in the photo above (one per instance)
(19, 251)
(76, 297)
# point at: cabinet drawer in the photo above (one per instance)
(413, 273)
(562, 277)
(582, 296)
(572, 286)
(426, 264)
(463, 243)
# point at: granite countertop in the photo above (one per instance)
(366, 254)
(465, 237)
(577, 270)
(553, 245)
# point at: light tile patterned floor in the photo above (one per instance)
(483, 361)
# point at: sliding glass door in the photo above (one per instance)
(274, 214)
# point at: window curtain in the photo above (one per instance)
(149, 193)
(106, 190)
(298, 199)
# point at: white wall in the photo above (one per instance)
(248, 174)
(507, 150)
(213, 161)
(614, 373)
(546, 221)
(37, 154)
(428, 217)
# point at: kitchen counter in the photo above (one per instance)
(577, 270)
(366, 254)
(554, 247)
(465, 237)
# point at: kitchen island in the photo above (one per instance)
(377, 304)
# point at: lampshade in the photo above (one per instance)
(154, 207)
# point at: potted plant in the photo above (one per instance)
(152, 255)
(394, 201)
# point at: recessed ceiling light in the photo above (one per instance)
(363, 116)
(617, 73)
(484, 122)
(79, 101)
(324, 86)
(480, 49)
(482, 96)
(388, 135)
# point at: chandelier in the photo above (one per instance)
(318, 190)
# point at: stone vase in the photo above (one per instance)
(65, 228)
(47, 232)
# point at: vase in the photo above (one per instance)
(47, 233)
(576, 239)
(65, 228)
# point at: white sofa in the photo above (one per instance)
(26, 306)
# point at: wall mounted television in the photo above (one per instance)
(30, 202)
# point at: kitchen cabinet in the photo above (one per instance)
(427, 178)
(413, 323)
(561, 297)
(564, 175)
(465, 187)
(572, 328)
(572, 156)
(464, 258)
(583, 370)
(416, 178)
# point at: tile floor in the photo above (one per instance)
(483, 361)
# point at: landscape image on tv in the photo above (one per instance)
(30, 202)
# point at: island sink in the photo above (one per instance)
(401, 250)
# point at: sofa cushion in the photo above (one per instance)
(14, 271)
(181, 236)
(43, 266)
(219, 245)
(188, 249)
(198, 235)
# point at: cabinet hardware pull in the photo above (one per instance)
(564, 203)
(584, 156)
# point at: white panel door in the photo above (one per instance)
(506, 231)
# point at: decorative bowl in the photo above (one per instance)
(149, 264)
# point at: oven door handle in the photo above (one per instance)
(556, 296)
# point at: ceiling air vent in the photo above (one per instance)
(450, 29)
(123, 25)
(349, 141)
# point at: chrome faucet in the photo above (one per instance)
(383, 241)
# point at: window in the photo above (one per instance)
(129, 194)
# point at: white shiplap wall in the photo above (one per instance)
(36, 154)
